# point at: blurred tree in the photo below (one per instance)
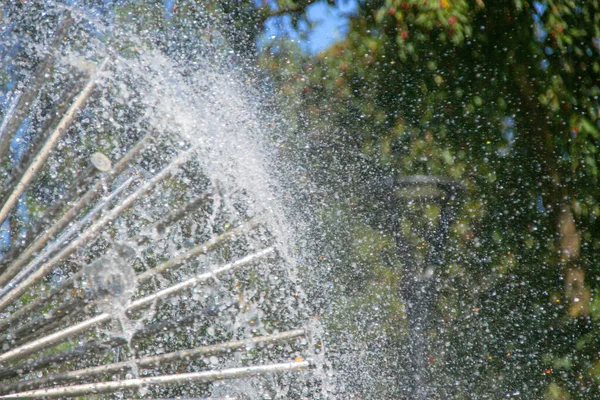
(504, 96)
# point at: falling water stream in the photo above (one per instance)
(149, 245)
(145, 250)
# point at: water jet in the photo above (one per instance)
(157, 267)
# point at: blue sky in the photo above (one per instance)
(328, 24)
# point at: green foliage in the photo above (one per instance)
(503, 97)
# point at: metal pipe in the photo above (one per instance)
(22, 257)
(51, 142)
(83, 326)
(100, 346)
(93, 230)
(46, 323)
(36, 143)
(190, 283)
(196, 203)
(60, 241)
(198, 250)
(147, 362)
(192, 377)
(14, 121)
(37, 303)
(98, 163)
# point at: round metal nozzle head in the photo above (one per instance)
(100, 162)
(112, 276)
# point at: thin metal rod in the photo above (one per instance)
(70, 305)
(190, 283)
(74, 305)
(83, 326)
(23, 257)
(91, 232)
(10, 113)
(14, 121)
(37, 142)
(198, 250)
(146, 362)
(46, 322)
(60, 241)
(100, 346)
(42, 156)
(97, 164)
(193, 377)
(191, 206)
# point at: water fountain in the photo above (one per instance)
(145, 254)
